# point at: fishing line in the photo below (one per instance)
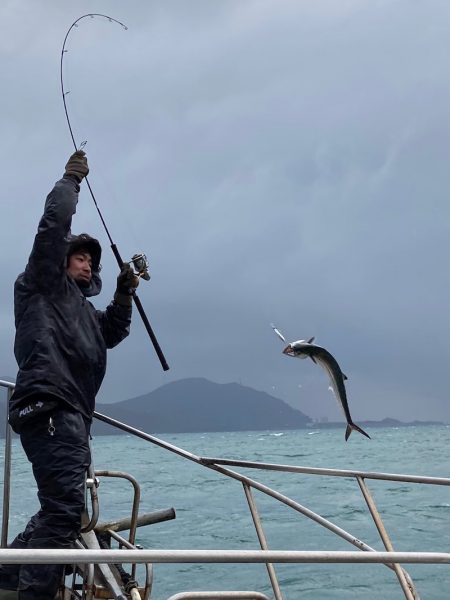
(139, 260)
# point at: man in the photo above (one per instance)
(60, 347)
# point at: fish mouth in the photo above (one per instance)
(289, 350)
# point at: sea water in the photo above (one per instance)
(212, 511)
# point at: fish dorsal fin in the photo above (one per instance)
(313, 359)
(344, 376)
(310, 341)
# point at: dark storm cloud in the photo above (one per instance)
(278, 161)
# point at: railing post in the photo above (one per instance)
(402, 576)
(262, 539)
(6, 475)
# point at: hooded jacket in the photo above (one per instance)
(61, 339)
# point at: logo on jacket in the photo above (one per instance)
(25, 411)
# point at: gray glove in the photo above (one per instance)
(77, 165)
(127, 282)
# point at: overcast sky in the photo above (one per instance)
(281, 161)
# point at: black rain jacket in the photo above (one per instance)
(61, 339)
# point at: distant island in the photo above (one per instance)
(196, 405)
(199, 405)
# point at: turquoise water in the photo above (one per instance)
(212, 511)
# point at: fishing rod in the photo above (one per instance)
(139, 261)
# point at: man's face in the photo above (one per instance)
(80, 267)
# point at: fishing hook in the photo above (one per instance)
(114, 249)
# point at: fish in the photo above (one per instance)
(321, 356)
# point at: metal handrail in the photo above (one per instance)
(219, 596)
(136, 497)
(389, 558)
(56, 556)
(148, 566)
(262, 539)
(405, 581)
(6, 468)
(135, 506)
(90, 521)
(407, 587)
(329, 472)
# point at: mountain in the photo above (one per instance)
(196, 405)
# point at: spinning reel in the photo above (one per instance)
(140, 264)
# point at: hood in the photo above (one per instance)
(84, 240)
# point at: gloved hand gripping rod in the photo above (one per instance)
(116, 253)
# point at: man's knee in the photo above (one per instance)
(39, 581)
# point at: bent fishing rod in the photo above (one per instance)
(139, 261)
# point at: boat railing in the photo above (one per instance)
(364, 554)
(6, 467)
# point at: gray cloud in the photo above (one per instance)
(277, 160)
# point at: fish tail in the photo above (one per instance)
(351, 427)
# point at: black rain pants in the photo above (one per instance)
(60, 458)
